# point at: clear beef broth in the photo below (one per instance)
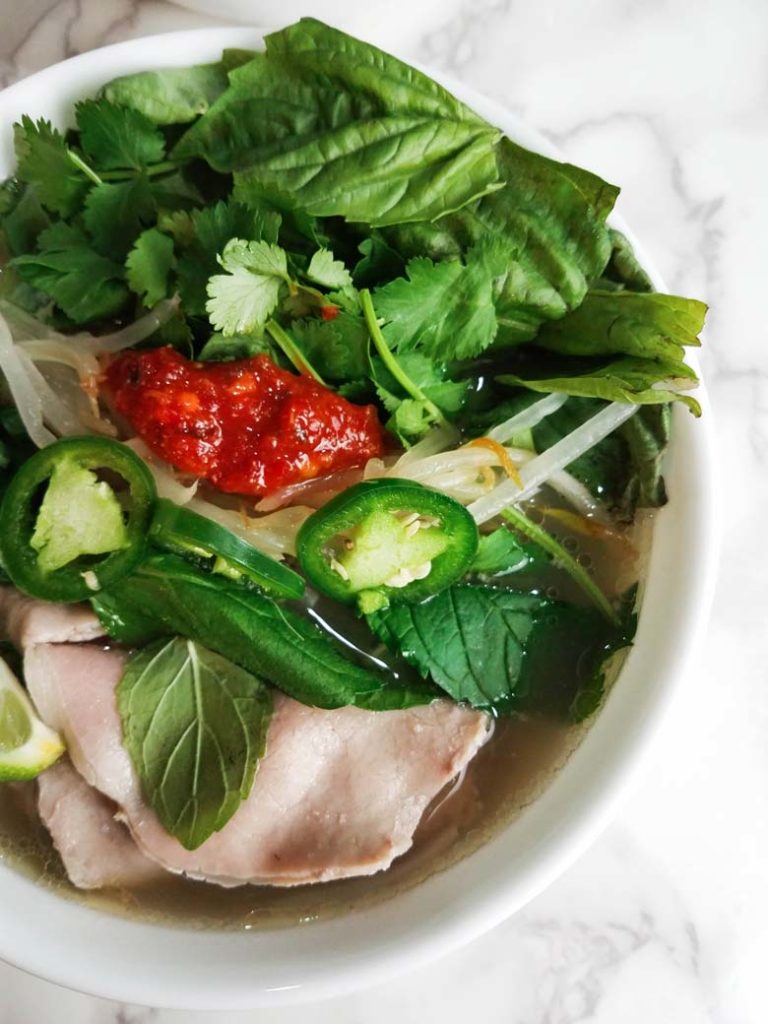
(514, 766)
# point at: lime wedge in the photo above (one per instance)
(27, 745)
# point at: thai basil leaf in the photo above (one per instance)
(613, 379)
(195, 726)
(168, 596)
(388, 170)
(170, 96)
(624, 269)
(501, 650)
(639, 325)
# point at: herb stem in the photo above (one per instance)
(151, 172)
(292, 351)
(83, 166)
(389, 360)
(566, 561)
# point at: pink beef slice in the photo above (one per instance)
(97, 851)
(338, 793)
(25, 621)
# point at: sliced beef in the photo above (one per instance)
(97, 851)
(338, 793)
(25, 621)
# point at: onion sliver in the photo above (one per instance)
(26, 396)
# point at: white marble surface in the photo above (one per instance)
(665, 920)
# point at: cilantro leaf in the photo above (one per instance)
(443, 309)
(244, 298)
(116, 214)
(220, 348)
(324, 270)
(84, 285)
(24, 221)
(204, 234)
(149, 264)
(338, 349)
(44, 161)
(115, 137)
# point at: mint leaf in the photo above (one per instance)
(84, 285)
(148, 266)
(116, 214)
(501, 650)
(195, 726)
(44, 161)
(244, 298)
(116, 137)
(444, 309)
(168, 596)
(324, 270)
(172, 95)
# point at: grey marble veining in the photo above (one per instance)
(665, 920)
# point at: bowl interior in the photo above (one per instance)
(161, 966)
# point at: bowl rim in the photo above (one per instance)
(94, 952)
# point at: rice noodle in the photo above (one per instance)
(527, 418)
(539, 470)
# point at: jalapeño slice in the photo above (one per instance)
(385, 540)
(186, 533)
(74, 518)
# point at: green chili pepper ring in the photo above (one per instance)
(76, 580)
(378, 531)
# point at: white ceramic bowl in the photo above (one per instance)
(92, 951)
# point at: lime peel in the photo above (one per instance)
(27, 745)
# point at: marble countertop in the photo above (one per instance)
(665, 919)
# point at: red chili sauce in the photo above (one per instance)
(246, 426)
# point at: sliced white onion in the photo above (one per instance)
(529, 417)
(57, 413)
(131, 335)
(25, 395)
(167, 483)
(539, 470)
(23, 324)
